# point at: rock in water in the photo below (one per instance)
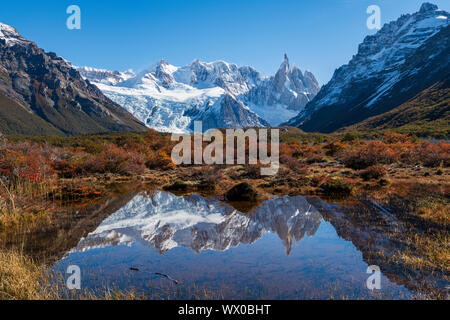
(241, 192)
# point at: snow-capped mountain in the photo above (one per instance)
(169, 98)
(105, 76)
(283, 95)
(402, 59)
(10, 35)
(225, 112)
(164, 221)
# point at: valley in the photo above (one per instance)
(129, 177)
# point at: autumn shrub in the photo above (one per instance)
(65, 169)
(155, 141)
(313, 153)
(207, 177)
(252, 171)
(300, 151)
(406, 152)
(315, 158)
(373, 172)
(369, 154)
(159, 160)
(135, 164)
(335, 147)
(294, 164)
(296, 150)
(391, 137)
(112, 159)
(433, 154)
(286, 149)
(29, 166)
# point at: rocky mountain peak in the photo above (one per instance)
(10, 35)
(426, 6)
(285, 63)
(282, 75)
(105, 76)
(285, 66)
(6, 30)
(164, 72)
(162, 62)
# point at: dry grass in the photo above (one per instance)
(436, 212)
(425, 216)
(426, 253)
(23, 203)
(20, 278)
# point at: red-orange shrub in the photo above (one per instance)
(294, 164)
(372, 153)
(433, 154)
(159, 160)
(30, 166)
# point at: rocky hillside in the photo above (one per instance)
(426, 115)
(41, 94)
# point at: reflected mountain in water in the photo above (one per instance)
(163, 221)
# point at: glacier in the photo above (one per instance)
(168, 98)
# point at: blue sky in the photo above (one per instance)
(318, 35)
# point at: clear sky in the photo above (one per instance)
(318, 35)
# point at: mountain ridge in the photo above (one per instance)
(170, 98)
(43, 95)
(404, 58)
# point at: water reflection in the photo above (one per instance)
(283, 248)
(164, 221)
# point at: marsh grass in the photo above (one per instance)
(407, 235)
(20, 278)
(24, 203)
